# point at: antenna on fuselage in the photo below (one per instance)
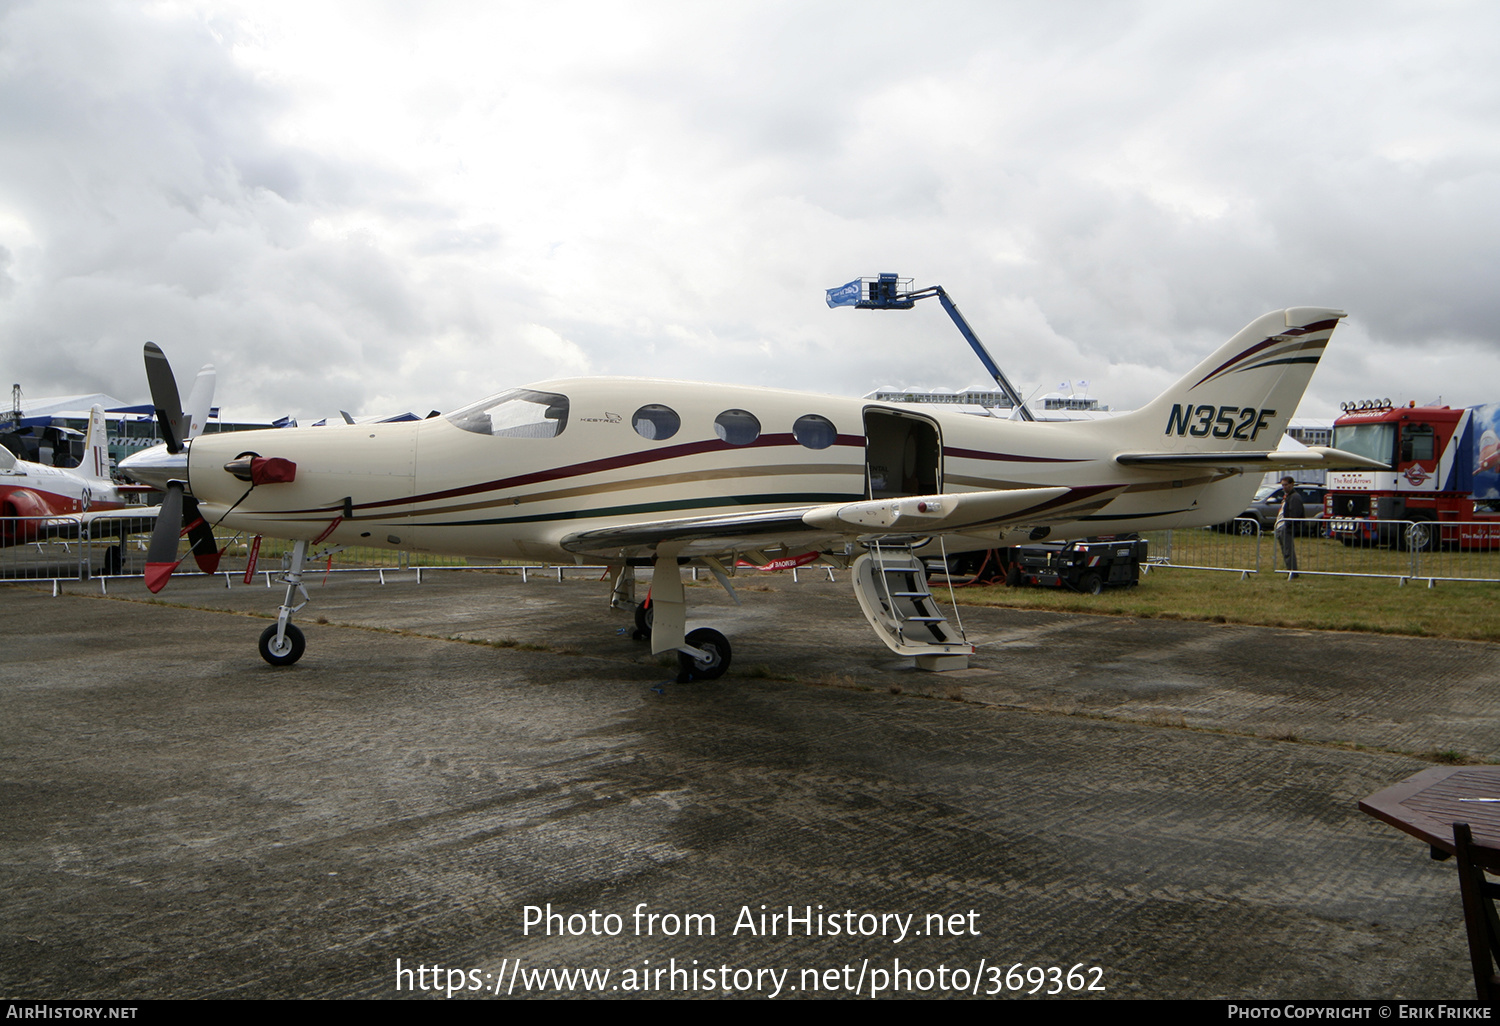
(891, 292)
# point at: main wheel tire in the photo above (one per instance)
(643, 619)
(712, 642)
(293, 644)
(1091, 584)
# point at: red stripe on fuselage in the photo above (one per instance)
(633, 459)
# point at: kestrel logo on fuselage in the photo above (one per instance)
(1239, 422)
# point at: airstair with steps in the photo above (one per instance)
(890, 582)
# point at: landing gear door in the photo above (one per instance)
(903, 454)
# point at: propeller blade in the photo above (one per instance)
(164, 397)
(200, 402)
(205, 549)
(161, 556)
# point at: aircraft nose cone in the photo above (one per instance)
(155, 467)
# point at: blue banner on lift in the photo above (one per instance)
(845, 295)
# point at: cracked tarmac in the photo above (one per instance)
(1173, 802)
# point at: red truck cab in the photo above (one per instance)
(1432, 453)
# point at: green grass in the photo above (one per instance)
(1462, 610)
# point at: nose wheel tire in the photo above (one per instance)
(293, 644)
(690, 668)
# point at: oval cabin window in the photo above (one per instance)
(656, 422)
(737, 427)
(815, 432)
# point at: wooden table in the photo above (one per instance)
(1456, 811)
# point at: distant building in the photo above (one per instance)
(1310, 431)
(1303, 431)
(941, 397)
(987, 403)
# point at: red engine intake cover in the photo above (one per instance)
(272, 470)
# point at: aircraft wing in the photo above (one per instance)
(816, 526)
(103, 523)
(137, 520)
(1314, 457)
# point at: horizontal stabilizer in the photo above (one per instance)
(1316, 457)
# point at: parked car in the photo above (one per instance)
(1267, 504)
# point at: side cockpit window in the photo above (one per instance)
(519, 413)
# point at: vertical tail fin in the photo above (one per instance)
(1240, 398)
(96, 446)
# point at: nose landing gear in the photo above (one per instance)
(283, 644)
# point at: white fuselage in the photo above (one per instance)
(433, 486)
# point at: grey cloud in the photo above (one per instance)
(1119, 186)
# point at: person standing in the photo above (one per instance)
(1292, 512)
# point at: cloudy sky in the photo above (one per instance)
(381, 207)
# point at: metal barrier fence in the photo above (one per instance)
(33, 548)
(70, 548)
(1237, 549)
(1403, 550)
(105, 547)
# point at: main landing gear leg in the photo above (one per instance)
(283, 644)
(622, 596)
(701, 655)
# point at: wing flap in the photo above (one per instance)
(817, 526)
(931, 514)
(728, 531)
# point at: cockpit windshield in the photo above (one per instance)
(519, 413)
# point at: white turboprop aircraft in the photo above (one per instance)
(635, 472)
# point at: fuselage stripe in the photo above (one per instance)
(594, 467)
(1004, 457)
(777, 498)
(1270, 341)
